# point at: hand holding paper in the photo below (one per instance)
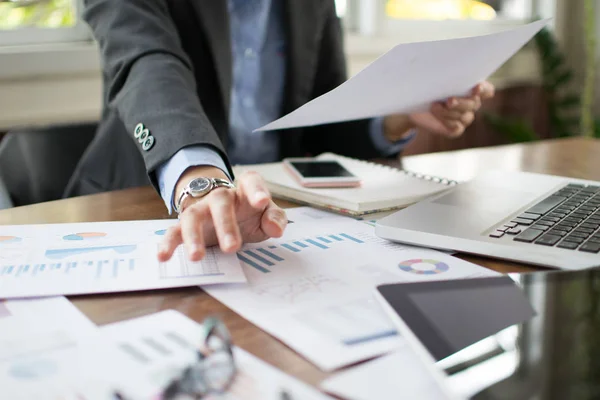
(451, 117)
(411, 77)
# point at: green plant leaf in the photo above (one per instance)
(563, 78)
(597, 128)
(516, 130)
(571, 121)
(569, 101)
(553, 63)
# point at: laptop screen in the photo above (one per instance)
(529, 336)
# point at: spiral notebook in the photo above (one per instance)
(383, 188)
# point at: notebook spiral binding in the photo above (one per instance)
(417, 175)
(436, 179)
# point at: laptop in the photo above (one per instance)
(538, 219)
(527, 336)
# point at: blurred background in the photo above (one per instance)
(50, 78)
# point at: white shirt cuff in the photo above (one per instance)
(194, 156)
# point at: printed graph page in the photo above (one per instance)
(66, 259)
(40, 343)
(313, 287)
(158, 347)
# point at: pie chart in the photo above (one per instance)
(9, 239)
(424, 267)
(85, 236)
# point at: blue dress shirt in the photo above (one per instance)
(258, 55)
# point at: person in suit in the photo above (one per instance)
(188, 81)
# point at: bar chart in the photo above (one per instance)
(264, 258)
(113, 268)
(98, 269)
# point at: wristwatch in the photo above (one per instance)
(200, 187)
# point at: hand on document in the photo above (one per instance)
(449, 118)
(227, 217)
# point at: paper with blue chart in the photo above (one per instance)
(313, 287)
(41, 342)
(53, 259)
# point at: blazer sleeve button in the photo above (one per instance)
(138, 130)
(148, 143)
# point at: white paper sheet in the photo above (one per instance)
(313, 287)
(411, 76)
(400, 375)
(50, 351)
(157, 347)
(40, 343)
(43, 260)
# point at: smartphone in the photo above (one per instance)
(310, 172)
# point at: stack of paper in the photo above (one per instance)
(49, 350)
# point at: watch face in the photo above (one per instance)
(200, 185)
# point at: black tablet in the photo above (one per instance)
(524, 336)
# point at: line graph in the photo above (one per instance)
(298, 290)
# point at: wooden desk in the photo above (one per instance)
(577, 158)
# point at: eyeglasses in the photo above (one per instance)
(212, 373)
(214, 370)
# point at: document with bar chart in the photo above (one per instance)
(313, 287)
(66, 259)
(155, 349)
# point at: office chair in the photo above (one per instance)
(36, 164)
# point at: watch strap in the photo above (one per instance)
(220, 182)
(215, 183)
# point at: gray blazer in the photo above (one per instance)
(167, 65)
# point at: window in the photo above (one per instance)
(397, 17)
(40, 21)
(483, 10)
(373, 27)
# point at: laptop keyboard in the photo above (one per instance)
(568, 219)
